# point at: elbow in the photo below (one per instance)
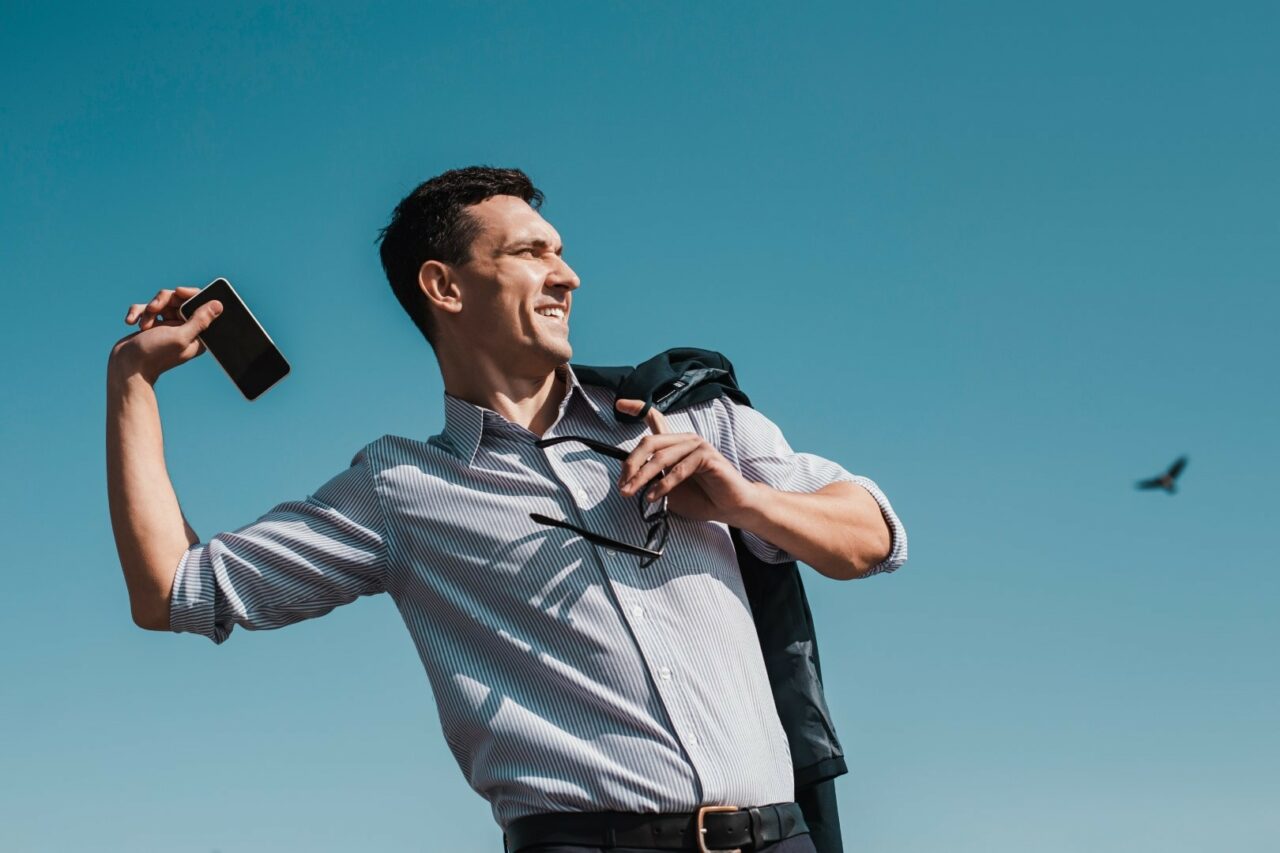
(883, 548)
(150, 594)
(151, 616)
(862, 556)
(869, 541)
(846, 572)
(848, 567)
(872, 549)
(858, 569)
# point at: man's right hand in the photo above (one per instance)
(163, 340)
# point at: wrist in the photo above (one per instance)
(124, 369)
(124, 366)
(751, 509)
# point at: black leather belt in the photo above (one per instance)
(711, 828)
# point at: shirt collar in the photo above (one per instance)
(465, 422)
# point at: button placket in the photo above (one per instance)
(671, 694)
(575, 495)
(637, 613)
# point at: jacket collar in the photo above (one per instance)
(466, 423)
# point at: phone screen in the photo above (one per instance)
(237, 341)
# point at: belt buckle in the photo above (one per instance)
(702, 831)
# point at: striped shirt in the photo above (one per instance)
(567, 677)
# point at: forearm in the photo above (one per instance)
(839, 529)
(150, 530)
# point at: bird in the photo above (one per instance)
(1166, 480)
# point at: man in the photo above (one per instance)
(592, 696)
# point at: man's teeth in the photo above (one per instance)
(552, 312)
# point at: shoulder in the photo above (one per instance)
(702, 418)
(390, 451)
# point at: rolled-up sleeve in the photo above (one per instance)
(760, 452)
(301, 559)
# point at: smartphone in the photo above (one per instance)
(238, 341)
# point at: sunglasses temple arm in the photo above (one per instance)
(596, 538)
(599, 447)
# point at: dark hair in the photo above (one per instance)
(431, 224)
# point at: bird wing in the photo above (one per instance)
(1176, 468)
(1153, 483)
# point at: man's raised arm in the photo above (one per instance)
(150, 530)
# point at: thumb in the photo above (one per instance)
(204, 317)
(657, 423)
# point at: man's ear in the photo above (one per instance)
(438, 283)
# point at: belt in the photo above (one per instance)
(709, 829)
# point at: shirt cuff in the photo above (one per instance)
(191, 604)
(898, 533)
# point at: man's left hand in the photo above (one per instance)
(699, 482)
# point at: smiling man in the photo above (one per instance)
(596, 698)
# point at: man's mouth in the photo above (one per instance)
(553, 313)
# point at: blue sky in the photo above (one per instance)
(1003, 260)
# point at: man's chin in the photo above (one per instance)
(554, 354)
(563, 351)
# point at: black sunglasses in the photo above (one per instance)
(652, 513)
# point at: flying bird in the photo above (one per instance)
(1166, 480)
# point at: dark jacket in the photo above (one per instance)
(684, 376)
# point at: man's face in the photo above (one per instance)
(515, 272)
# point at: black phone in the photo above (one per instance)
(238, 341)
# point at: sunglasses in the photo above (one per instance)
(652, 513)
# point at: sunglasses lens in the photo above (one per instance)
(657, 536)
(653, 511)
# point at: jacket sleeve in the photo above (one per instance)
(301, 559)
(757, 448)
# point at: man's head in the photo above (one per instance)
(472, 263)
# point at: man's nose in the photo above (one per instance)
(564, 276)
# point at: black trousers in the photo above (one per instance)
(794, 844)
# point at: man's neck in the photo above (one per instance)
(531, 403)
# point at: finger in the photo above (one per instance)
(178, 296)
(173, 311)
(146, 311)
(648, 446)
(166, 302)
(661, 460)
(629, 406)
(168, 298)
(155, 316)
(203, 317)
(657, 421)
(162, 299)
(677, 474)
(654, 418)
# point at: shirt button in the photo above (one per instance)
(582, 495)
(637, 611)
(664, 674)
(611, 552)
(692, 740)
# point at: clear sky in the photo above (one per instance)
(1003, 261)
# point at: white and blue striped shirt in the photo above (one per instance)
(567, 677)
